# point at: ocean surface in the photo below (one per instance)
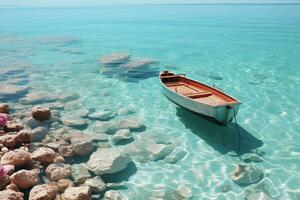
(250, 51)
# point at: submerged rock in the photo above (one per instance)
(147, 148)
(111, 127)
(121, 135)
(176, 155)
(80, 173)
(138, 63)
(82, 146)
(63, 184)
(115, 58)
(39, 133)
(43, 155)
(255, 195)
(126, 111)
(66, 151)
(183, 192)
(74, 121)
(58, 171)
(26, 179)
(7, 89)
(247, 175)
(38, 97)
(130, 123)
(107, 161)
(96, 184)
(112, 195)
(77, 193)
(41, 113)
(103, 115)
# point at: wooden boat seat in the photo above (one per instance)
(174, 84)
(198, 95)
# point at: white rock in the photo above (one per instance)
(247, 175)
(138, 63)
(107, 161)
(115, 58)
(256, 195)
(122, 134)
(7, 89)
(176, 155)
(146, 148)
(74, 121)
(82, 146)
(103, 115)
(184, 192)
(125, 111)
(130, 123)
(96, 184)
(112, 195)
(80, 173)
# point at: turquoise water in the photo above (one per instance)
(250, 51)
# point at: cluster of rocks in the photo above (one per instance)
(36, 164)
(120, 65)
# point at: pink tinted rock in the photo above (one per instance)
(58, 171)
(19, 157)
(77, 193)
(45, 191)
(10, 169)
(26, 179)
(11, 195)
(43, 155)
(13, 187)
(3, 119)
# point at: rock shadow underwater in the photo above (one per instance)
(124, 68)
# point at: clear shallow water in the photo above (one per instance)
(250, 51)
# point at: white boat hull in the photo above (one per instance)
(223, 114)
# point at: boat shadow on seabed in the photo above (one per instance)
(223, 139)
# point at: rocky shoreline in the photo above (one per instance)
(46, 156)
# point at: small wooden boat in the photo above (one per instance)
(199, 97)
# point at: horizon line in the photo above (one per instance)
(128, 4)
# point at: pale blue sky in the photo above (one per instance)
(51, 3)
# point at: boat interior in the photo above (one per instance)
(194, 90)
